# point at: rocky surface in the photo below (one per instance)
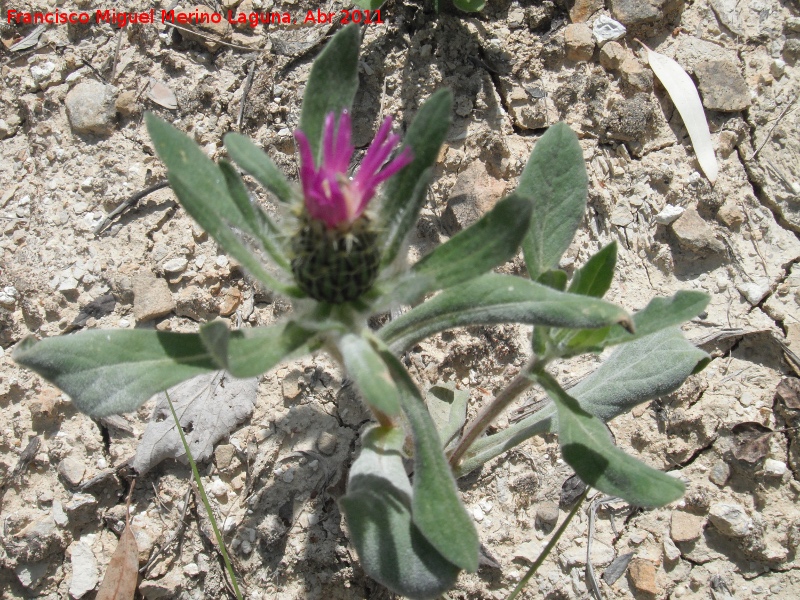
(74, 146)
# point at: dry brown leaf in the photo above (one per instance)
(789, 391)
(750, 442)
(684, 96)
(122, 574)
(162, 95)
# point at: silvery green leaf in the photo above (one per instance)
(202, 191)
(260, 224)
(588, 448)
(366, 367)
(255, 161)
(435, 506)
(555, 179)
(633, 373)
(448, 407)
(254, 350)
(595, 277)
(490, 242)
(406, 192)
(115, 371)
(332, 84)
(659, 314)
(377, 506)
(493, 298)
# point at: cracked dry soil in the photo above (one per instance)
(73, 147)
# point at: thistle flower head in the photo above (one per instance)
(330, 194)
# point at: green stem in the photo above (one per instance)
(494, 409)
(206, 503)
(547, 549)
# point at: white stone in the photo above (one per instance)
(40, 73)
(68, 284)
(478, 514)
(775, 468)
(605, 29)
(671, 551)
(8, 296)
(84, 570)
(528, 551)
(176, 265)
(191, 570)
(218, 488)
(753, 292)
(602, 555)
(730, 519)
(669, 214)
(59, 516)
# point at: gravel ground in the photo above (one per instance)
(73, 146)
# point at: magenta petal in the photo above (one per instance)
(371, 163)
(405, 158)
(344, 144)
(307, 173)
(328, 139)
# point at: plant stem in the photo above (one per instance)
(494, 409)
(548, 548)
(206, 503)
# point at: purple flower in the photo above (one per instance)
(331, 196)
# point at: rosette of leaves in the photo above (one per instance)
(413, 535)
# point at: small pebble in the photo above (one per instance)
(720, 473)
(669, 214)
(774, 468)
(605, 29)
(176, 265)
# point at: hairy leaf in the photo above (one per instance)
(587, 447)
(377, 506)
(116, 371)
(448, 408)
(202, 190)
(494, 298)
(261, 226)
(435, 506)
(369, 372)
(253, 351)
(332, 84)
(659, 314)
(490, 242)
(634, 373)
(555, 178)
(255, 161)
(405, 193)
(595, 277)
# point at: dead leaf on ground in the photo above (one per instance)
(750, 442)
(209, 407)
(122, 575)
(30, 40)
(789, 392)
(684, 96)
(162, 95)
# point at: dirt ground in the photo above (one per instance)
(73, 146)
